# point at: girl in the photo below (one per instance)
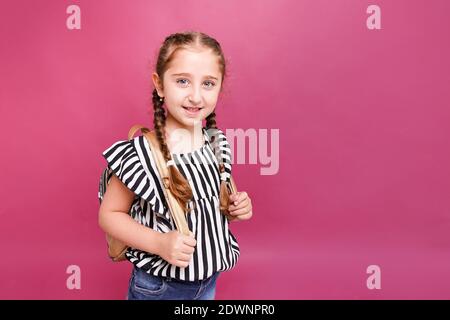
(189, 76)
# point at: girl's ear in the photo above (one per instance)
(157, 83)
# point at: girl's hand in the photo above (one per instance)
(176, 248)
(240, 206)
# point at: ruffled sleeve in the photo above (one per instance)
(132, 162)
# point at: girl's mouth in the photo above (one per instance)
(192, 111)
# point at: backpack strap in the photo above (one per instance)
(135, 128)
(177, 212)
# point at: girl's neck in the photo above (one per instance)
(181, 138)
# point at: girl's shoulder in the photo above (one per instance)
(132, 162)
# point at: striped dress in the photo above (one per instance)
(217, 248)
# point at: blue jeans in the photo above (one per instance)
(144, 286)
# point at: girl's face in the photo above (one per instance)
(193, 80)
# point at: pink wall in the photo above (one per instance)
(363, 117)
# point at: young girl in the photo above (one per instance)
(189, 76)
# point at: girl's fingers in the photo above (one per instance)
(240, 197)
(241, 205)
(244, 216)
(184, 257)
(239, 212)
(187, 250)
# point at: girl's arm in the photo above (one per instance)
(115, 220)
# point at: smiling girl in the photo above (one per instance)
(188, 79)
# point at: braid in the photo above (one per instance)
(159, 122)
(178, 185)
(211, 123)
(224, 197)
(211, 120)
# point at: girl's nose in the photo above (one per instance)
(195, 98)
(194, 101)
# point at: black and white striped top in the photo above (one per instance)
(217, 248)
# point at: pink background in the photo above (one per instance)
(363, 115)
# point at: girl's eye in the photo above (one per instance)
(178, 81)
(209, 84)
(212, 84)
